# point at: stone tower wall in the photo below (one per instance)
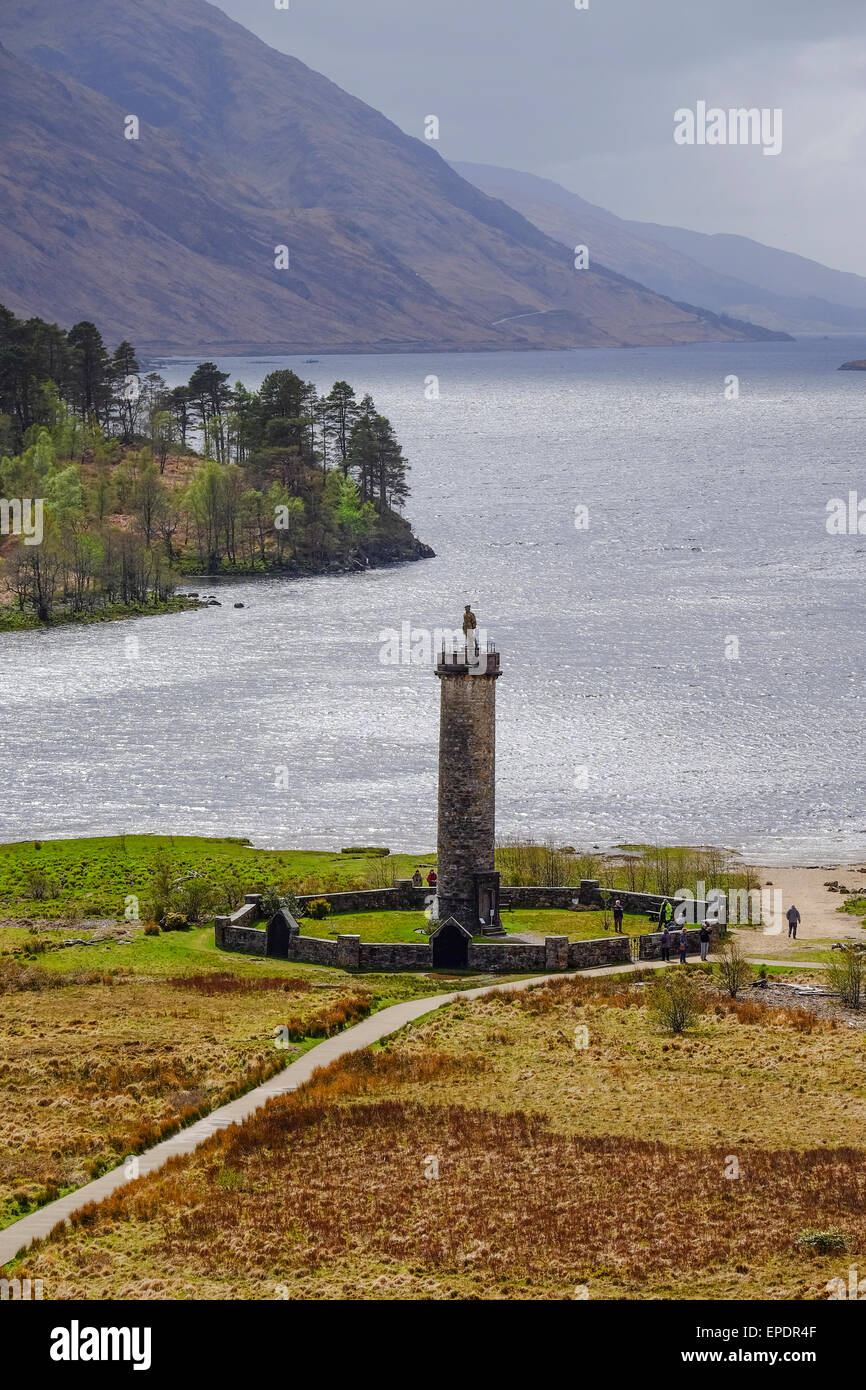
(467, 752)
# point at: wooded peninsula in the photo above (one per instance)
(114, 486)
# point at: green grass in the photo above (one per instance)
(579, 926)
(401, 926)
(170, 953)
(370, 926)
(854, 906)
(93, 877)
(194, 953)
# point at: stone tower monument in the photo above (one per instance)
(468, 884)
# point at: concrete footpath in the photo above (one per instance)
(22, 1233)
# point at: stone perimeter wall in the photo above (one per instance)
(588, 893)
(501, 957)
(236, 933)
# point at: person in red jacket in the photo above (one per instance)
(431, 878)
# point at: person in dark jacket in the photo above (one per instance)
(705, 940)
(617, 916)
(793, 917)
(684, 946)
(666, 943)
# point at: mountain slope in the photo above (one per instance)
(170, 239)
(729, 274)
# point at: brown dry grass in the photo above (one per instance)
(91, 1072)
(554, 1170)
(16, 977)
(216, 983)
(766, 1084)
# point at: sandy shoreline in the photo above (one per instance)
(804, 886)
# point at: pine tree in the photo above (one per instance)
(342, 412)
(90, 372)
(209, 395)
(391, 467)
(362, 457)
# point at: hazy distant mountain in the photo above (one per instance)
(169, 239)
(729, 274)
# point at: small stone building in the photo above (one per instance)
(279, 933)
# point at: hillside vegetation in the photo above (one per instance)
(112, 507)
(293, 217)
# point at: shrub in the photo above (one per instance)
(162, 876)
(291, 904)
(152, 929)
(522, 863)
(39, 886)
(734, 970)
(318, 909)
(175, 921)
(675, 1000)
(189, 896)
(273, 900)
(230, 892)
(845, 973)
(194, 896)
(270, 902)
(381, 873)
(822, 1242)
(312, 884)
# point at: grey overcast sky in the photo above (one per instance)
(587, 97)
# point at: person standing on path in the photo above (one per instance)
(705, 940)
(684, 946)
(666, 944)
(617, 916)
(793, 917)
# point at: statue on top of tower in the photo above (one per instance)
(470, 623)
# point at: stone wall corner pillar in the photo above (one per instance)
(589, 892)
(348, 952)
(556, 953)
(403, 891)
